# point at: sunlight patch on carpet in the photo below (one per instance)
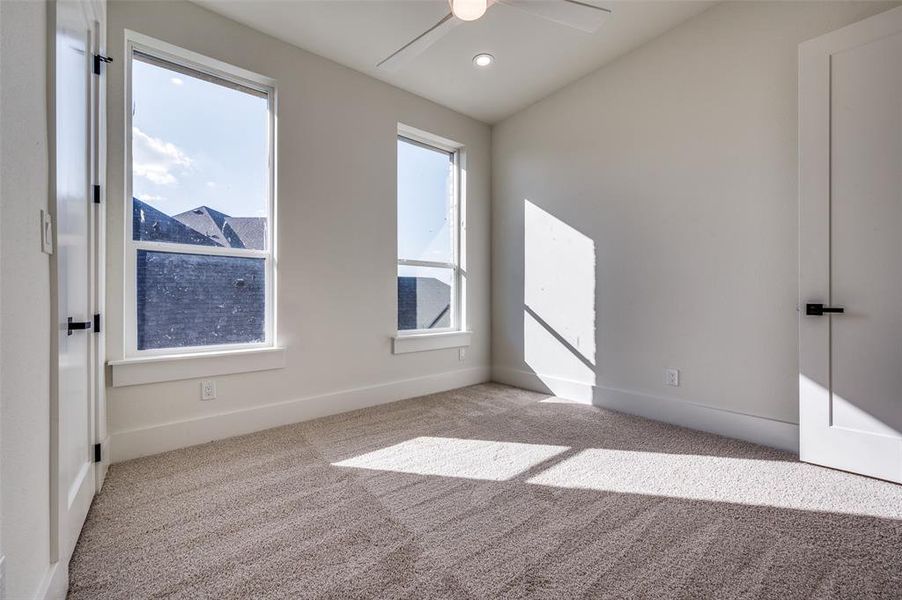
(452, 457)
(752, 482)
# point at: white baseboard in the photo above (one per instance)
(760, 430)
(133, 443)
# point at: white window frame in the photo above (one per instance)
(457, 221)
(136, 42)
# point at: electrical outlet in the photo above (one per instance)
(672, 377)
(207, 389)
(461, 353)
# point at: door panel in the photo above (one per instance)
(866, 236)
(850, 194)
(73, 98)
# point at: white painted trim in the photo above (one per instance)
(429, 139)
(137, 42)
(153, 369)
(170, 436)
(209, 65)
(759, 430)
(423, 342)
(458, 210)
(54, 583)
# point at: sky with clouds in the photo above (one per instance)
(197, 143)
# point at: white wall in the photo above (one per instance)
(668, 180)
(24, 299)
(337, 245)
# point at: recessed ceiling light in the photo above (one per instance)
(483, 60)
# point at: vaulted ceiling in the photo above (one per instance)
(533, 56)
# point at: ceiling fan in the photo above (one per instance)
(573, 13)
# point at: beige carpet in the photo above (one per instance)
(487, 492)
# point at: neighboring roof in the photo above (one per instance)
(245, 232)
(202, 226)
(153, 225)
(423, 303)
(207, 221)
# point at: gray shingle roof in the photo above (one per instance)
(198, 300)
(153, 225)
(202, 226)
(207, 221)
(245, 232)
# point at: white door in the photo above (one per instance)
(73, 100)
(850, 136)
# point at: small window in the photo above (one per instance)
(199, 267)
(429, 274)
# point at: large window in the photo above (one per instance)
(199, 263)
(429, 273)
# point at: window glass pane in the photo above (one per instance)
(424, 297)
(199, 300)
(424, 203)
(200, 159)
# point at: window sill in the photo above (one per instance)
(423, 342)
(154, 369)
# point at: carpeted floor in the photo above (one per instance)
(487, 492)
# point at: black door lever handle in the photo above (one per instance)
(77, 325)
(817, 310)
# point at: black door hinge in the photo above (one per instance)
(96, 194)
(97, 323)
(97, 453)
(99, 59)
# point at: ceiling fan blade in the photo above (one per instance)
(419, 44)
(579, 15)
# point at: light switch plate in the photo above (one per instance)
(46, 232)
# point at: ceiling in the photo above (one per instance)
(533, 57)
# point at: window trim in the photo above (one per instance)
(459, 280)
(423, 342)
(174, 367)
(189, 61)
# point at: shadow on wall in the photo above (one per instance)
(559, 298)
(559, 323)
